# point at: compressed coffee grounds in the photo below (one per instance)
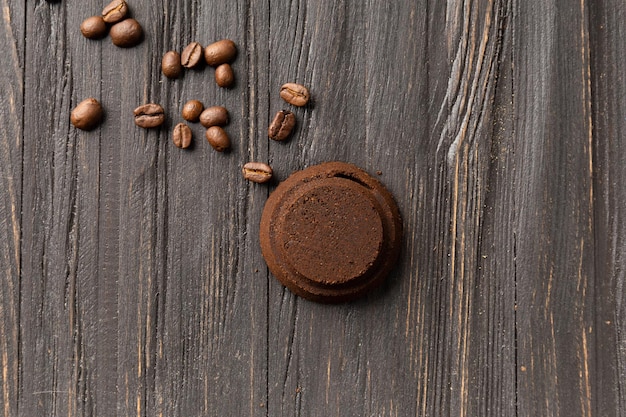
(331, 232)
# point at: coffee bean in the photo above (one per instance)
(257, 172)
(149, 115)
(126, 33)
(224, 76)
(94, 27)
(182, 136)
(171, 66)
(295, 94)
(115, 11)
(282, 125)
(214, 116)
(220, 52)
(217, 137)
(87, 115)
(191, 55)
(192, 110)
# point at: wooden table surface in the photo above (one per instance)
(132, 278)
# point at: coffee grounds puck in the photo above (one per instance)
(330, 233)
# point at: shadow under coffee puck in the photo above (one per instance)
(331, 232)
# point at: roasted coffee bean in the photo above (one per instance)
(191, 55)
(257, 172)
(282, 125)
(115, 11)
(192, 110)
(217, 137)
(87, 115)
(182, 136)
(214, 116)
(295, 94)
(126, 33)
(224, 76)
(94, 27)
(220, 52)
(149, 115)
(171, 66)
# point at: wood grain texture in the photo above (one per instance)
(50, 347)
(133, 282)
(11, 145)
(555, 246)
(608, 105)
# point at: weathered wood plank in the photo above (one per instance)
(555, 271)
(493, 384)
(212, 351)
(132, 162)
(11, 143)
(473, 317)
(463, 245)
(66, 337)
(50, 337)
(608, 104)
(95, 308)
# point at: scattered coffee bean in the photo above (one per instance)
(214, 116)
(282, 125)
(126, 33)
(149, 115)
(295, 94)
(257, 172)
(217, 137)
(171, 65)
(94, 27)
(192, 110)
(224, 76)
(191, 55)
(115, 11)
(182, 136)
(220, 52)
(87, 115)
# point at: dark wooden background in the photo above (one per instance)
(132, 278)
